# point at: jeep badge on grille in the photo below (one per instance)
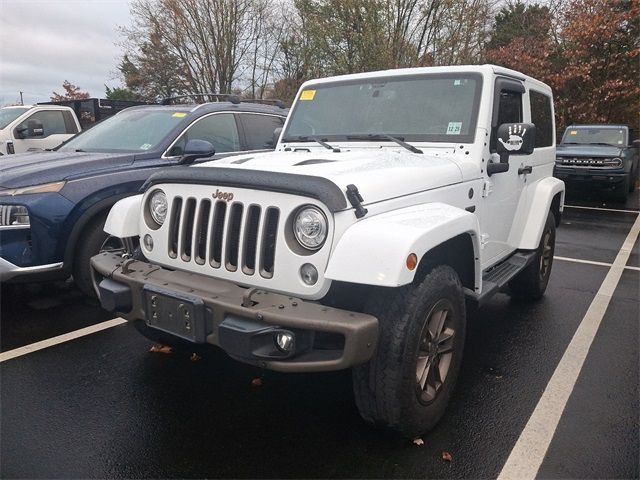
(228, 196)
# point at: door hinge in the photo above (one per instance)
(484, 239)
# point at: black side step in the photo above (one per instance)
(499, 275)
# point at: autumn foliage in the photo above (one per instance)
(590, 57)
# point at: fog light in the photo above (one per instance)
(309, 274)
(148, 242)
(284, 341)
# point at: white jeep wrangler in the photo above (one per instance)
(393, 201)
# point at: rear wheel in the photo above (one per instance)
(531, 283)
(407, 384)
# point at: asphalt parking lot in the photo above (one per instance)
(101, 405)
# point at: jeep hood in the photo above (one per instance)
(37, 168)
(379, 174)
(588, 151)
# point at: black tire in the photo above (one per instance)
(387, 389)
(621, 192)
(92, 241)
(531, 283)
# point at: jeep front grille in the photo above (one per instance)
(225, 235)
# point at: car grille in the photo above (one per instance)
(223, 235)
(589, 162)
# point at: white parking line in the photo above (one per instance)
(591, 262)
(49, 342)
(602, 209)
(530, 449)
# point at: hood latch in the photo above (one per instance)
(355, 199)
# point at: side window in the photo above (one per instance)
(69, 124)
(52, 122)
(259, 130)
(220, 129)
(542, 118)
(509, 111)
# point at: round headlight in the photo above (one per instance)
(310, 228)
(158, 206)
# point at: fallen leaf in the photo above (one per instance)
(418, 441)
(161, 349)
(195, 357)
(256, 382)
(446, 456)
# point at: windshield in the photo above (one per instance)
(430, 108)
(129, 131)
(595, 136)
(8, 115)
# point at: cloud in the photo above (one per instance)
(44, 42)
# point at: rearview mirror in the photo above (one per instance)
(195, 149)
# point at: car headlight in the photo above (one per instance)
(310, 227)
(44, 188)
(14, 215)
(615, 162)
(158, 206)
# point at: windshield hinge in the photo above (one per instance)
(355, 199)
(487, 189)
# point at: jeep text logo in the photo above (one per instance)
(227, 196)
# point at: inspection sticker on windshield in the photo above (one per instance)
(454, 128)
(145, 146)
(307, 95)
(179, 115)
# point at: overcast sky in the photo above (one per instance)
(44, 42)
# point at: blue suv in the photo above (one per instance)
(53, 205)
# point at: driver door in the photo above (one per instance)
(502, 191)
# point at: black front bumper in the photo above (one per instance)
(243, 322)
(591, 176)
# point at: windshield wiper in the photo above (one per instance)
(78, 150)
(601, 143)
(380, 136)
(306, 138)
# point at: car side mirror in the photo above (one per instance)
(276, 136)
(20, 131)
(635, 144)
(195, 149)
(35, 128)
(515, 139)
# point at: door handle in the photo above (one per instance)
(526, 169)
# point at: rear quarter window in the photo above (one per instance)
(542, 118)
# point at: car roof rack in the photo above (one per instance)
(230, 97)
(266, 101)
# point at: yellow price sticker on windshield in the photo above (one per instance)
(573, 132)
(179, 115)
(307, 95)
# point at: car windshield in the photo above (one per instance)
(595, 136)
(429, 108)
(8, 115)
(129, 131)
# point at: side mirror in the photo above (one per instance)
(635, 144)
(276, 136)
(20, 131)
(195, 149)
(515, 139)
(35, 128)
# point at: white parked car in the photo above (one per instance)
(393, 200)
(25, 128)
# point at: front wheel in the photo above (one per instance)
(407, 384)
(531, 283)
(93, 241)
